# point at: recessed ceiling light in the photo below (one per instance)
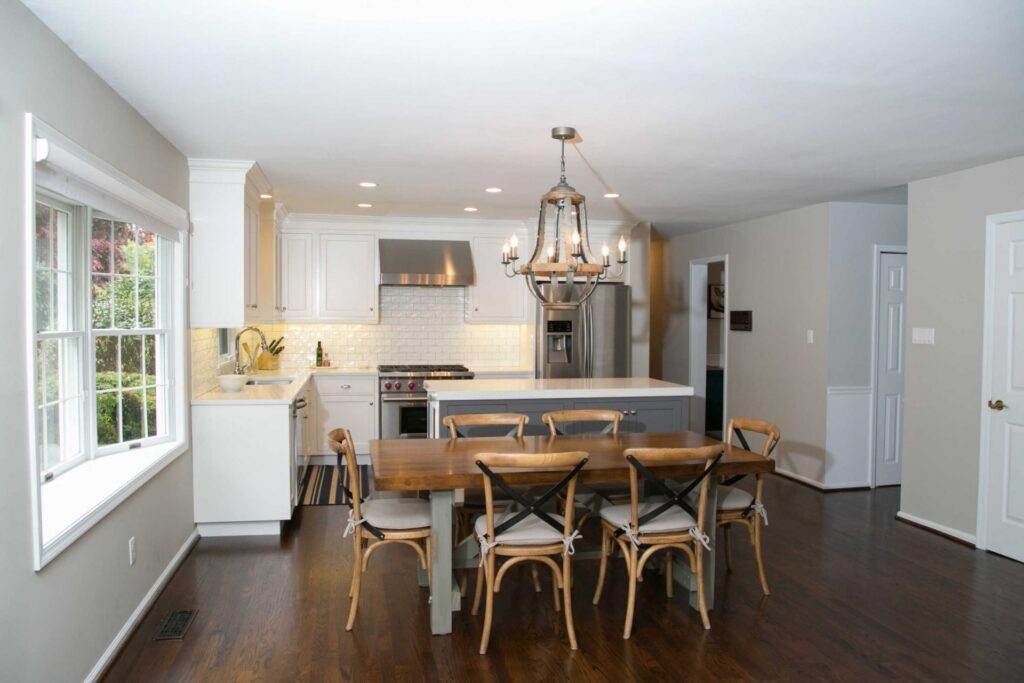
(493, 190)
(365, 206)
(266, 196)
(611, 195)
(471, 209)
(367, 183)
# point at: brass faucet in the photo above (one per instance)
(239, 368)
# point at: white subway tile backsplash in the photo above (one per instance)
(417, 325)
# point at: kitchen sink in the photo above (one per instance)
(270, 380)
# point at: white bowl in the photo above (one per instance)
(232, 382)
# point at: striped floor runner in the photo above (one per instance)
(322, 485)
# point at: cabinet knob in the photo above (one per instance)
(371, 403)
(346, 386)
(475, 308)
(284, 308)
(371, 308)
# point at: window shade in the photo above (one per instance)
(71, 173)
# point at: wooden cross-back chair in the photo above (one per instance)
(373, 523)
(457, 424)
(672, 523)
(590, 496)
(737, 506)
(528, 534)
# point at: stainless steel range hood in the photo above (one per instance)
(426, 263)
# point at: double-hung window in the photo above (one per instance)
(108, 372)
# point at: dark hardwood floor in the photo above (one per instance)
(856, 596)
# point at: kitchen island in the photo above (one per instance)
(649, 405)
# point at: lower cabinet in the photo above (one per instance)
(349, 402)
(640, 414)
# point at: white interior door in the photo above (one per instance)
(889, 366)
(1005, 512)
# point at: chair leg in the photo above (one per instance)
(488, 606)
(570, 627)
(605, 551)
(429, 563)
(725, 542)
(757, 556)
(357, 570)
(536, 577)
(698, 571)
(556, 589)
(668, 574)
(479, 590)
(631, 599)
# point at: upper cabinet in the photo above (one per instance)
(347, 278)
(226, 278)
(295, 276)
(494, 298)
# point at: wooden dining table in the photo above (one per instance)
(442, 466)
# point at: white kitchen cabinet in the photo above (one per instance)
(494, 298)
(225, 263)
(348, 401)
(347, 278)
(295, 276)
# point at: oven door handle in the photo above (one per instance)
(403, 399)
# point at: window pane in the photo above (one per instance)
(44, 300)
(124, 302)
(147, 302)
(101, 291)
(43, 233)
(154, 402)
(132, 415)
(147, 253)
(106, 363)
(51, 449)
(108, 419)
(131, 361)
(61, 242)
(124, 248)
(151, 358)
(102, 245)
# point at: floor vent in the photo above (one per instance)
(175, 624)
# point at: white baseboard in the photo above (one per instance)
(140, 611)
(268, 528)
(817, 484)
(935, 526)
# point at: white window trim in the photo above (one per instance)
(148, 461)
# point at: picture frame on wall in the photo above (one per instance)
(716, 302)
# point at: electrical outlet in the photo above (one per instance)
(131, 551)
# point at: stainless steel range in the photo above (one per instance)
(403, 398)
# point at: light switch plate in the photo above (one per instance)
(922, 335)
(810, 336)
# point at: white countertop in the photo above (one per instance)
(491, 389)
(270, 394)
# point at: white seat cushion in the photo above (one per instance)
(673, 519)
(529, 531)
(732, 498)
(397, 513)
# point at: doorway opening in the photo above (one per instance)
(709, 313)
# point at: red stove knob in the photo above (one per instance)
(412, 385)
(387, 385)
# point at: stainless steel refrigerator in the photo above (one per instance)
(592, 340)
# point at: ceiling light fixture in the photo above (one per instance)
(470, 209)
(493, 190)
(365, 206)
(367, 183)
(266, 196)
(562, 273)
(611, 195)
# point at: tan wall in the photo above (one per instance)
(56, 623)
(778, 269)
(945, 290)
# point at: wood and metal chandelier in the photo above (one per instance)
(562, 271)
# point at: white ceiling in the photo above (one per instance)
(699, 113)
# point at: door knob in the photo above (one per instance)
(996, 405)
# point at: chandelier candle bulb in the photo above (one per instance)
(622, 249)
(506, 253)
(606, 255)
(514, 244)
